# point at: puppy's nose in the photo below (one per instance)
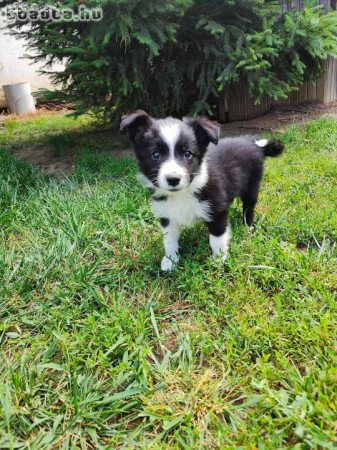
(173, 181)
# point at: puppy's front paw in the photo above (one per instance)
(221, 257)
(168, 264)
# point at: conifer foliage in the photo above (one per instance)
(175, 56)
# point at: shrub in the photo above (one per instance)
(175, 56)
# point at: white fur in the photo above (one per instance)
(200, 180)
(220, 244)
(168, 264)
(171, 244)
(262, 142)
(170, 133)
(182, 206)
(171, 169)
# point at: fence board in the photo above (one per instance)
(328, 81)
(250, 106)
(231, 103)
(320, 84)
(331, 81)
(241, 104)
(311, 89)
(294, 98)
(303, 93)
(223, 106)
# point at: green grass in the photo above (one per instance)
(60, 133)
(100, 350)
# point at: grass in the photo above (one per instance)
(60, 133)
(100, 350)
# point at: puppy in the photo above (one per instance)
(192, 175)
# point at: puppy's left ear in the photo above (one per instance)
(205, 130)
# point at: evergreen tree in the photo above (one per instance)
(175, 56)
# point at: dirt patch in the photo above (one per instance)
(46, 160)
(276, 119)
(59, 165)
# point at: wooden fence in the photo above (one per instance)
(298, 5)
(237, 104)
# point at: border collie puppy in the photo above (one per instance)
(192, 175)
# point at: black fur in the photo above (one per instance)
(273, 148)
(159, 198)
(204, 130)
(235, 170)
(164, 222)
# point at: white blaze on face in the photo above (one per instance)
(171, 167)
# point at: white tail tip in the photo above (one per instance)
(262, 142)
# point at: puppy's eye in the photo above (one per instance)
(188, 154)
(155, 155)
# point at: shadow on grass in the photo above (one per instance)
(97, 140)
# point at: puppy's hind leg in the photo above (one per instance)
(249, 199)
(248, 209)
(220, 235)
(171, 234)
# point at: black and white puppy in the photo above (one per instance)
(192, 175)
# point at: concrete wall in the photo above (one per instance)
(13, 69)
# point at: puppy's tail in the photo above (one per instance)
(270, 147)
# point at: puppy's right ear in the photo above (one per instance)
(133, 123)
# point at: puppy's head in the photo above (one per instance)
(169, 151)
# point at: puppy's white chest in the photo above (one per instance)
(182, 207)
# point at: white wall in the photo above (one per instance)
(13, 69)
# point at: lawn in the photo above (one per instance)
(101, 350)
